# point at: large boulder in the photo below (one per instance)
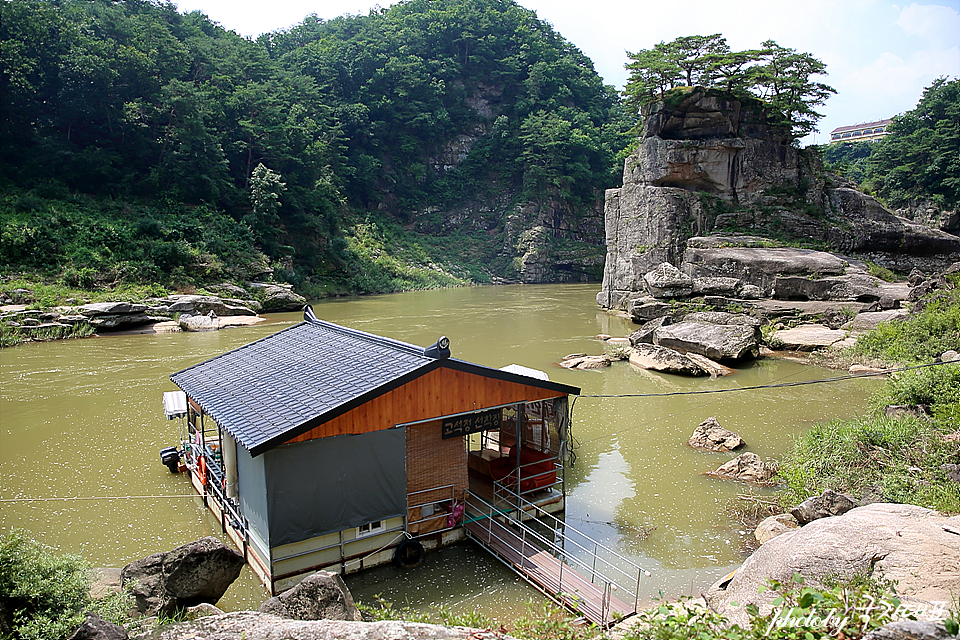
(644, 335)
(191, 574)
(806, 337)
(710, 436)
(277, 298)
(715, 341)
(251, 625)
(650, 356)
(585, 362)
(666, 281)
(319, 596)
(913, 546)
(856, 287)
(209, 322)
(758, 265)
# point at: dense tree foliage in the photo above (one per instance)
(779, 75)
(918, 161)
(920, 158)
(428, 103)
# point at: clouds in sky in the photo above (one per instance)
(879, 55)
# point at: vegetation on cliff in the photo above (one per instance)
(919, 159)
(141, 130)
(780, 76)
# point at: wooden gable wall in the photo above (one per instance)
(441, 392)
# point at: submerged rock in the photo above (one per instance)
(747, 467)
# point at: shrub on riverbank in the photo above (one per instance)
(44, 595)
(920, 337)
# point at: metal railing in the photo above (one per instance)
(439, 510)
(612, 574)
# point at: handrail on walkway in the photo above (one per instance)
(520, 505)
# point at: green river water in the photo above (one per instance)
(82, 420)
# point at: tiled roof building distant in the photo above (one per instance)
(864, 131)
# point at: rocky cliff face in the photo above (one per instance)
(710, 164)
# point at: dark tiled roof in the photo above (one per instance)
(267, 392)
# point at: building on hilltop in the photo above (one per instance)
(865, 131)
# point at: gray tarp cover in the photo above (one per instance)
(331, 484)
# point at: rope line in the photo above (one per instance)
(800, 383)
(192, 495)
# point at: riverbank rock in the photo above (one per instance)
(747, 467)
(712, 368)
(644, 335)
(319, 596)
(827, 504)
(202, 305)
(770, 528)
(252, 625)
(278, 297)
(585, 362)
(691, 178)
(904, 543)
(710, 436)
(656, 358)
(911, 630)
(806, 337)
(666, 281)
(191, 574)
(209, 322)
(96, 628)
(715, 341)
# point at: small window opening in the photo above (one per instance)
(370, 529)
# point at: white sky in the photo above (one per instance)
(879, 55)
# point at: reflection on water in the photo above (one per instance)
(83, 419)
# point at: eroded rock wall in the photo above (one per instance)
(709, 164)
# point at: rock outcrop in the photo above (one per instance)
(913, 546)
(708, 163)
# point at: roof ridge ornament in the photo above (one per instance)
(439, 349)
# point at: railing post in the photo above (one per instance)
(593, 571)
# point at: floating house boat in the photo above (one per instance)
(324, 447)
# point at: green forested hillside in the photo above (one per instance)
(920, 158)
(131, 135)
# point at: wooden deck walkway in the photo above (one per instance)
(555, 578)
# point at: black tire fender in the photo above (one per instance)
(409, 554)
